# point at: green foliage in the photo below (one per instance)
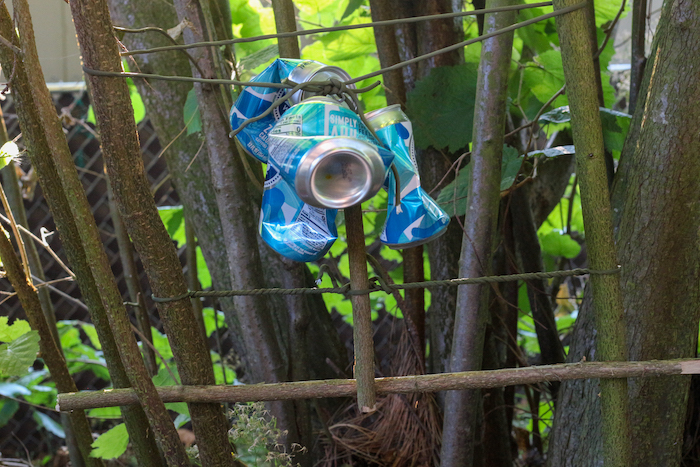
(453, 198)
(191, 115)
(174, 221)
(136, 103)
(212, 320)
(111, 444)
(18, 353)
(82, 348)
(553, 152)
(8, 408)
(615, 124)
(10, 332)
(251, 19)
(256, 59)
(257, 439)
(8, 151)
(441, 107)
(557, 243)
(49, 424)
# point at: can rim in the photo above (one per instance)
(312, 69)
(386, 116)
(363, 153)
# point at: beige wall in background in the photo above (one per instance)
(55, 39)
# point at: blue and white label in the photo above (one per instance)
(306, 124)
(291, 227)
(254, 101)
(417, 218)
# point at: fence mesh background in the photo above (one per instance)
(22, 432)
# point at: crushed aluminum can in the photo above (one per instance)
(291, 227)
(254, 100)
(325, 151)
(416, 219)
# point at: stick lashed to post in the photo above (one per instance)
(393, 385)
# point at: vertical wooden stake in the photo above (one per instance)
(361, 312)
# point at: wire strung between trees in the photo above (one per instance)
(308, 32)
(397, 66)
(343, 88)
(379, 285)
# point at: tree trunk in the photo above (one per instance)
(133, 197)
(657, 217)
(462, 408)
(41, 155)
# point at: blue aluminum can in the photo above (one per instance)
(325, 151)
(416, 219)
(291, 227)
(253, 101)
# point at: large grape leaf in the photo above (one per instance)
(441, 107)
(16, 356)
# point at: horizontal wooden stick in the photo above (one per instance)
(393, 385)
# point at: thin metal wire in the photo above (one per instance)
(328, 83)
(459, 45)
(379, 285)
(307, 32)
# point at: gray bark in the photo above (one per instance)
(656, 218)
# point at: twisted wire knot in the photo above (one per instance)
(334, 86)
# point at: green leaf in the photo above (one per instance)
(251, 19)
(8, 408)
(111, 444)
(49, 423)
(8, 333)
(553, 152)
(251, 62)
(13, 390)
(606, 10)
(181, 419)
(89, 329)
(137, 104)
(179, 407)
(615, 124)
(453, 198)
(202, 270)
(541, 79)
(441, 107)
(163, 377)
(558, 244)
(212, 319)
(105, 413)
(173, 220)
(347, 45)
(18, 355)
(191, 114)
(558, 115)
(8, 151)
(615, 128)
(350, 9)
(510, 166)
